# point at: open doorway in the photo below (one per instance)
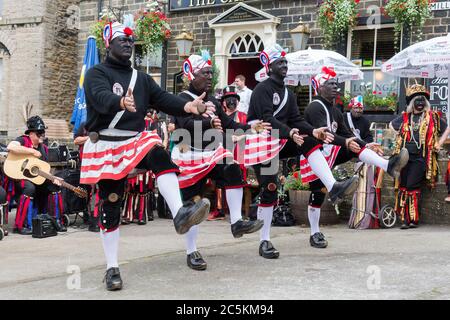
(246, 67)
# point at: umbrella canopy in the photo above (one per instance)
(79, 108)
(306, 63)
(426, 59)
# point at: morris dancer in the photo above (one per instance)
(117, 97)
(274, 103)
(202, 159)
(418, 129)
(319, 113)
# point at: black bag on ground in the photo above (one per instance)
(58, 154)
(282, 216)
(44, 226)
(71, 202)
(163, 208)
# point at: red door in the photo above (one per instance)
(247, 67)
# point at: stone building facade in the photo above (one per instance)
(38, 60)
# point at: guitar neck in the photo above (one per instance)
(52, 178)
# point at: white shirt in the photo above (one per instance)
(245, 95)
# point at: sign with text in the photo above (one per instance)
(442, 5)
(178, 5)
(439, 94)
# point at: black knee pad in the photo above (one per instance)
(316, 199)
(110, 212)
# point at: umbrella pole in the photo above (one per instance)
(448, 94)
(310, 92)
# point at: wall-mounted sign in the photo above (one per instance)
(178, 5)
(439, 94)
(442, 5)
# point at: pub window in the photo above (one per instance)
(369, 49)
(247, 44)
(150, 64)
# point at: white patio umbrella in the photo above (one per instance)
(426, 59)
(306, 63)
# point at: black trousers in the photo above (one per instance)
(157, 160)
(226, 176)
(413, 174)
(268, 180)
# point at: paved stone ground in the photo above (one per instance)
(371, 264)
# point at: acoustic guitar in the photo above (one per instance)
(35, 170)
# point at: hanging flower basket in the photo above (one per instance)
(152, 28)
(412, 13)
(335, 19)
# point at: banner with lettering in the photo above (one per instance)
(439, 94)
(178, 5)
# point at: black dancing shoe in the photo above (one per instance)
(413, 225)
(404, 226)
(397, 163)
(113, 279)
(60, 227)
(25, 232)
(317, 240)
(342, 189)
(93, 225)
(191, 214)
(195, 261)
(268, 251)
(241, 227)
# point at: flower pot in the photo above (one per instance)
(299, 200)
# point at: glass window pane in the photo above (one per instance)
(147, 63)
(363, 45)
(358, 87)
(385, 84)
(385, 46)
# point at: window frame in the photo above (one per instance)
(147, 71)
(373, 68)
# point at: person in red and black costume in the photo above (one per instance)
(117, 99)
(321, 112)
(218, 165)
(35, 199)
(274, 103)
(419, 129)
(90, 217)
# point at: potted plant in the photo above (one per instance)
(410, 13)
(152, 28)
(299, 194)
(335, 19)
(375, 101)
(97, 31)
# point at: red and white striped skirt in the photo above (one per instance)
(330, 153)
(195, 164)
(115, 159)
(261, 147)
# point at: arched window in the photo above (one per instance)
(248, 44)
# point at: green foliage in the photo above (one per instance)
(294, 182)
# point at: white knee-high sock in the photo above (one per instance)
(170, 189)
(111, 247)
(265, 214)
(321, 169)
(191, 239)
(314, 218)
(371, 157)
(234, 200)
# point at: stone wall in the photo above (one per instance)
(41, 64)
(60, 61)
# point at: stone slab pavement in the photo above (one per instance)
(369, 264)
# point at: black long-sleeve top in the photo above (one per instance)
(189, 123)
(265, 100)
(106, 83)
(316, 116)
(363, 125)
